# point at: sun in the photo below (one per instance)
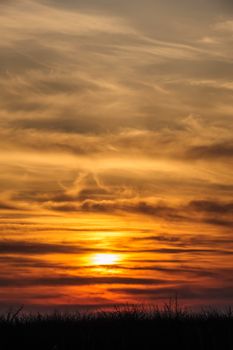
(105, 259)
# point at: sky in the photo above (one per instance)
(116, 152)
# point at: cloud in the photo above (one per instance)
(29, 262)
(102, 194)
(183, 292)
(203, 210)
(226, 26)
(193, 251)
(7, 206)
(181, 271)
(212, 207)
(212, 151)
(31, 248)
(76, 281)
(115, 121)
(46, 20)
(186, 240)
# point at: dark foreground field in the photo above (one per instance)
(127, 328)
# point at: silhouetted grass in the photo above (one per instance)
(129, 327)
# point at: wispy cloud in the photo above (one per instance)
(77, 281)
(115, 136)
(185, 292)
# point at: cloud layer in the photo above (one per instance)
(115, 137)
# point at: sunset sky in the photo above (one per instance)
(116, 152)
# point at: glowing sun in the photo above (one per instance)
(105, 259)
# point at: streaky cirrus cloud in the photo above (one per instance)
(116, 138)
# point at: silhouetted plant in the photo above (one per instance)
(124, 327)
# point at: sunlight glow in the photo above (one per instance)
(105, 259)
